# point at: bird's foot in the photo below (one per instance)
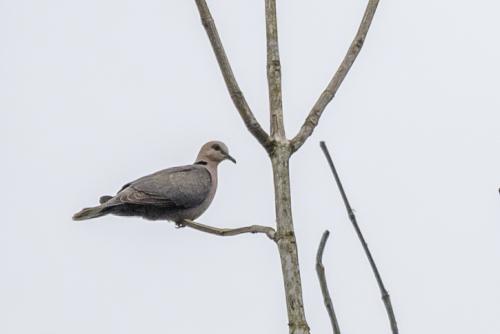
(179, 225)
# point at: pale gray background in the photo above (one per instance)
(96, 93)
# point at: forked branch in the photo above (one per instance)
(383, 291)
(228, 232)
(314, 115)
(232, 85)
(320, 270)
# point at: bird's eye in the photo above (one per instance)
(216, 147)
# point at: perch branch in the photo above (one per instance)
(227, 232)
(274, 72)
(385, 294)
(232, 85)
(320, 270)
(314, 115)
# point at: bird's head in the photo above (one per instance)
(215, 152)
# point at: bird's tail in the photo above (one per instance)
(89, 213)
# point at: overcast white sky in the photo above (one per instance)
(97, 93)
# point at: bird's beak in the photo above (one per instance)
(228, 157)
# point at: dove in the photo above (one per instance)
(173, 194)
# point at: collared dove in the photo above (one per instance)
(173, 194)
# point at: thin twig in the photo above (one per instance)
(313, 118)
(320, 270)
(232, 85)
(385, 295)
(227, 232)
(274, 72)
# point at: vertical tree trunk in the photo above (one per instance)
(287, 245)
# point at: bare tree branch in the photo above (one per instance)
(228, 232)
(320, 270)
(280, 154)
(274, 72)
(234, 90)
(385, 294)
(314, 115)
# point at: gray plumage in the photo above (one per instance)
(173, 194)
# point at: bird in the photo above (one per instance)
(174, 194)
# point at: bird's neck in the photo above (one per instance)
(210, 165)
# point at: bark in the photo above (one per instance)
(229, 232)
(328, 94)
(280, 156)
(235, 92)
(274, 72)
(386, 298)
(320, 270)
(285, 238)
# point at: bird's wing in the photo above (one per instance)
(181, 187)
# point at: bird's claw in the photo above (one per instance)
(179, 225)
